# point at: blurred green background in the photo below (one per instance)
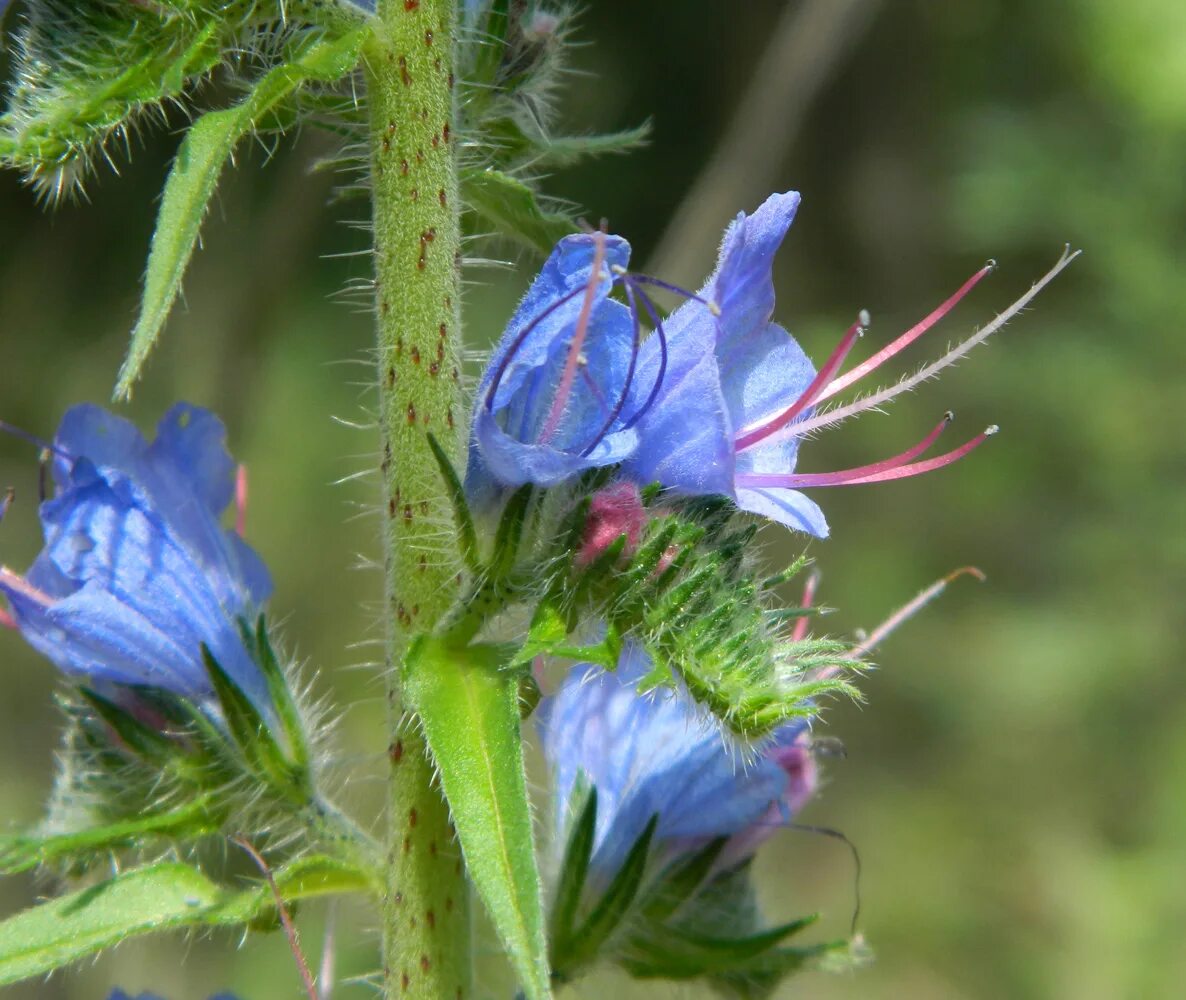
(1017, 782)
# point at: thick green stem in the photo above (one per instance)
(426, 924)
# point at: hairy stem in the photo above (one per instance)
(426, 925)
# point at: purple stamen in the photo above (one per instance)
(6, 620)
(903, 614)
(654, 314)
(906, 339)
(241, 500)
(23, 587)
(518, 342)
(646, 279)
(33, 439)
(809, 589)
(755, 434)
(879, 472)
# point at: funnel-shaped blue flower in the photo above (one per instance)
(722, 373)
(738, 394)
(657, 755)
(550, 403)
(137, 572)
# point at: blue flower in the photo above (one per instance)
(657, 755)
(551, 402)
(724, 372)
(738, 394)
(137, 572)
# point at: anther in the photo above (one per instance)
(757, 433)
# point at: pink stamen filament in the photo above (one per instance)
(616, 412)
(6, 620)
(800, 629)
(903, 614)
(578, 341)
(753, 434)
(878, 472)
(882, 396)
(22, 586)
(910, 609)
(241, 500)
(905, 340)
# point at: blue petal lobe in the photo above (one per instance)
(788, 507)
(743, 285)
(685, 438)
(649, 755)
(515, 438)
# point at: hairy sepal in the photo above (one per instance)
(689, 595)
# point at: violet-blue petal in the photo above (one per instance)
(118, 994)
(649, 755)
(685, 438)
(514, 439)
(772, 372)
(743, 285)
(789, 507)
(186, 471)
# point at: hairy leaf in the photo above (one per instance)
(469, 708)
(512, 208)
(195, 173)
(158, 897)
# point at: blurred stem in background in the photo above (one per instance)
(426, 932)
(808, 44)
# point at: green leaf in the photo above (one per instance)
(670, 953)
(194, 176)
(511, 207)
(469, 709)
(64, 930)
(680, 881)
(25, 851)
(510, 531)
(159, 897)
(288, 713)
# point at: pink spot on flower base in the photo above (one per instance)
(614, 511)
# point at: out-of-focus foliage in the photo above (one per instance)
(1015, 785)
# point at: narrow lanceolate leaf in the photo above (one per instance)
(469, 708)
(511, 208)
(195, 173)
(158, 897)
